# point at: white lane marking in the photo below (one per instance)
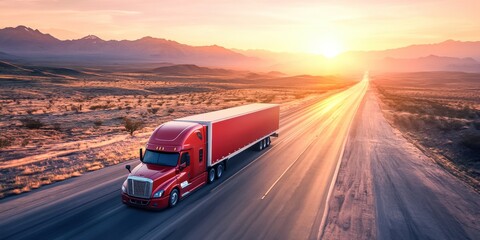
(326, 123)
(286, 170)
(334, 179)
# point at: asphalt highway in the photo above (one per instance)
(279, 193)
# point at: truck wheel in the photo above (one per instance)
(264, 143)
(268, 141)
(219, 170)
(260, 146)
(173, 200)
(211, 175)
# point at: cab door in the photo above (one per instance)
(185, 176)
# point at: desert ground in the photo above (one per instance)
(439, 112)
(59, 122)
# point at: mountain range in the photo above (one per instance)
(25, 43)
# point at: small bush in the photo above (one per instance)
(132, 125)
(170, 110)
(96, 107)
(450, 124)
(5, 142)
(76, 109)
(98, 123)
(31, 123)
(57, 127)
(472, 142)
(152, 110)
(476, 125)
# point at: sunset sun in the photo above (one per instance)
(328, 47)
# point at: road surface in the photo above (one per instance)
(280, 193)
(388, 189)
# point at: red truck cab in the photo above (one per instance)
(173, 163)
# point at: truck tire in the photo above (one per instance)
(174, 198)
(264, 143)
(211, 175)
(219, 170)
(260, 146)
(268, 141)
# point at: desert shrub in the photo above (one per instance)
(405, 122)
(471, 141)
(132, 125)
(5, 142)
(57, 127)
(76, 109)
(25, 142)
(170, 110)
(450, 124)
(31, 123)
(268, 98)
(152, 110)
(96, 107)
(476, 124)
(98, 123)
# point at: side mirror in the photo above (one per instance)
(182, 166)
(128, 168)
(141, 154)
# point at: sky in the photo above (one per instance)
(283, 25)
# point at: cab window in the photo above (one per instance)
(185, 158)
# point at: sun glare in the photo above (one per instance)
(329, 47)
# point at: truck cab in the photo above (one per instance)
(172, 166)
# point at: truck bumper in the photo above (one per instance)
(153, 203)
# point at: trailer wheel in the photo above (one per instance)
(211, 175)
(174, 197)
(264, 143)
(268, 141)
(260, 146)
(219, 170)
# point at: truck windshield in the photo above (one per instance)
(161, 158)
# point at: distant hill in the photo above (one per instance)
(430, 63)
(449, 48)
(8, 68)
(190, 69)
(33, 44)
(15, 69)
(444, 56)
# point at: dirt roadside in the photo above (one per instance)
(388, 189)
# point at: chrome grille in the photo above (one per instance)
(139, 187)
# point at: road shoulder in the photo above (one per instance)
(387, 188)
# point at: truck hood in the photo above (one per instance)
(157, 173)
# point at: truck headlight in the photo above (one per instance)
(124, 187)
(158, 194)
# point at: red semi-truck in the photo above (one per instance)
(186, 153)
